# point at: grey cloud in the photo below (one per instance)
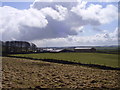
(54, 29)
(72, 18)
(33, 24)
(40, 5)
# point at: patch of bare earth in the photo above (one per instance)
(25, 73)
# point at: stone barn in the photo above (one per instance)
(85, 50)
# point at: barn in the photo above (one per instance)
(84, 49)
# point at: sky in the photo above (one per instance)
(56, 24)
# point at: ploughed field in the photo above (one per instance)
(110, 60)
(26, 73)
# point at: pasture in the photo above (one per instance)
(110, 60)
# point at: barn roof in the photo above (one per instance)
(82, 48)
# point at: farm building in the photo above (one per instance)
(52, 50)
(85, 50)
(67, 50)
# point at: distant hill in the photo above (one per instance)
(97, 47)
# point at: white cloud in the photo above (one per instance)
(33, 24)
(104, 38)
(60, 15)
(96, 12)
(62, 10)
(56, 24)
(13, 19)
(78, 29)
(33, 18)
(108, 0)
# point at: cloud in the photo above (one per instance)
(60, 15)
(55, 22)
(33, 18)
(13, 20)
(108, 0)
(76, 0)
(33, 24)
(78, 29)
(96, 12)
(100, 38)
(104, 38)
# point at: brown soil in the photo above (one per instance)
(24, 73)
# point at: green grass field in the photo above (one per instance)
(85, 58)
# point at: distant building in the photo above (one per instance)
(67, 50)
(51, 50)
(85, 50)
(56, 50)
